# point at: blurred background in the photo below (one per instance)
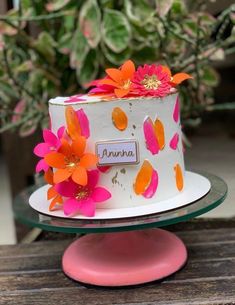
(51, 48)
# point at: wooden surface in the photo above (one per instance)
(31, 274)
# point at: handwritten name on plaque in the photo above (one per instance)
(117, 152)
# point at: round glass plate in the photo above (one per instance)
(24, 213)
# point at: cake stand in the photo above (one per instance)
(127, 251)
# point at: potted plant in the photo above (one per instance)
(51, 48)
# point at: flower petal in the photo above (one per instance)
(41, 166)
(179, 177)
(121, 92)
(87, 207)
(61, 132)
(49, 137)
(66, 188)
(115, 74)
(71, 206)
(41, 149)
(180, 77)
(65, 148)
(119, 118)
(84, 123)
(100, 194)
(176, 112)
(160, 133)
(48, 176)
(167, 70)
(80, 175)
(55, 159)
(51, 193)
(61, 175)
(93, 177)
(128, 69)
(78, 146)
(103, 169)
(58, 199)
(150, 137)
(109, 82)
(143, 178)
(88, 160)
(151, 190)
(174, 141)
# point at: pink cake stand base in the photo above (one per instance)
(123, 259)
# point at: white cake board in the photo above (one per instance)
(196, 186)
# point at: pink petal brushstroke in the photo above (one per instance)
(174, 141)
(150, 136)
(151, 190)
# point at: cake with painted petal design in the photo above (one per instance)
(119, 146)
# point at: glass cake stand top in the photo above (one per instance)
(24, 213)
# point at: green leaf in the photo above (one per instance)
(190, 27)
(45, 44)
(89, 20)
(116, 58)
(80, 49)
(163, 7)
(56, 5)
(139, 12)
(116, 30)
(178, 8)
(6, 90)
(209, 76)
(89, 68)
(65, 43)
(145, 55)
(26, 4)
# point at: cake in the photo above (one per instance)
(118, 146)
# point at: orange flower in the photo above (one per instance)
(120, 79)
(71, 161)
(177, 78)
(51, 192)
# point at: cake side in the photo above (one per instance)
(119, 179)
(118, 146)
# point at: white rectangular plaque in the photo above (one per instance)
(117, 152)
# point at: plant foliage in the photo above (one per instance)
(51, 48)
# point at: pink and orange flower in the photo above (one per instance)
(71, 161)
(148, 80)
(51, 143)
(82, 199)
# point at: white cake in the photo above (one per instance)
(120, 179)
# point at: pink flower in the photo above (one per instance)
(82, 199)
(51, 143)
(151, 80)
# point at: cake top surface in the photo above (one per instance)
(129, 82)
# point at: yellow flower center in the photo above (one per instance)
(150, 82)
(126, 84)
(71, 162)
(83, 193)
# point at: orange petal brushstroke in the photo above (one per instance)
(160, 134)
(143, 178)
(73, 126)
(119, 118)
(179, 177)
